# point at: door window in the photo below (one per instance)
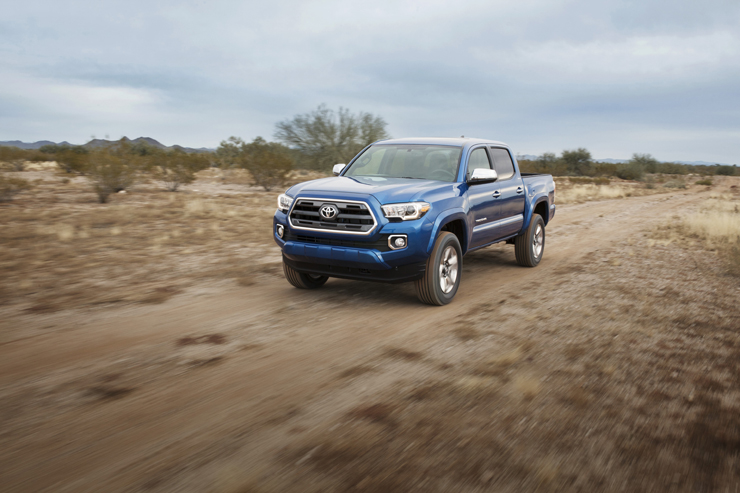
(478, 159)
(503, 163)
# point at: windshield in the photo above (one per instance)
(422, 162)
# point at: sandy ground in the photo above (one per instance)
(612, 366)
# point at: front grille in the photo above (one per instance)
(351, 217)
(381, 244)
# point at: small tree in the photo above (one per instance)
(324, 137)
(645, 161)
(269, 163)
(10, 187)
(578, 162)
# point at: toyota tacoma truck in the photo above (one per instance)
(408, 210)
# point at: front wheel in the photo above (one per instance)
(530, 245)
(301, 279)
(443, 272)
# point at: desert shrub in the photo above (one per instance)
(598, 180)
(72, 159)
(10, 187)
(269, 163)
(646, 162)
(706, 182)
(175, 168)
(725, 170)
(110, 172)
(605, 169)
(675, 184)
(546, 163)
(671, 169)
(13, 156)
(631, 170)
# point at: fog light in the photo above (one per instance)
(280, 230)
(397, 242)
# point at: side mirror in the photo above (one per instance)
(338, 168)
(481, 175)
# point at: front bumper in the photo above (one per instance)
(331, 254)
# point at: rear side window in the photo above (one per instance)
(502, 161)
(478, 159)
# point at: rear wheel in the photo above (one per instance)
(301, 279)
(443, 271)
(530, 245)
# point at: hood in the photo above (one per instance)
(385, 190)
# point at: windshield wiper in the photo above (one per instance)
(411, 177)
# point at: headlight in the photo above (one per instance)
(406, 211)
(284, 202)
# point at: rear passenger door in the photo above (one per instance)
(511, 189)
(484, 205)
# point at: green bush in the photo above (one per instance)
(631, 170)
(605, 169)
(175, 168)
(110, 171)
(725, 170)
(268, 162)
(706, 182)
(671, 169)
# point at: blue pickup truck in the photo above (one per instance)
(408, 210)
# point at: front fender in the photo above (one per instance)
(444, 218)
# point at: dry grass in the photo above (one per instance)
(576, 192)
(60, 249)
(717, 225)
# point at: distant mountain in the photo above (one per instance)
(95, 143)
(31, 145)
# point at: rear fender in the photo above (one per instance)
(531, 206)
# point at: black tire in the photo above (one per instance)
(530, 245)
(429, 288)
(302, 280)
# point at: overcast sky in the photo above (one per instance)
(614, 76)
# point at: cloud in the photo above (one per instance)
(541, 74)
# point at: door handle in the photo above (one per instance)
(519, 189)
(496, 194)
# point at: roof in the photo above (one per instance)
(459, 142)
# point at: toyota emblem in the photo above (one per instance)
(328, 211)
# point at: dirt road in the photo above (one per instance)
(269, 388)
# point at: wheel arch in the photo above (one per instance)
(454, 221)
(542, 208)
